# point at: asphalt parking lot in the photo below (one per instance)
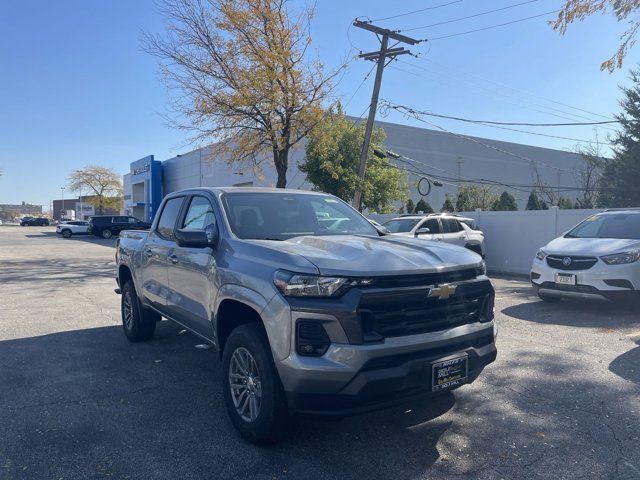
(79, 401)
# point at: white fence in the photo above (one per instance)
(513, 238)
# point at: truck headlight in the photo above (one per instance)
(302, 285)
(541, 254)
(622, 258)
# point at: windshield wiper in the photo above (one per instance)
(570, 235)
(267, 238)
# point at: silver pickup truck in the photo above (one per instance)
(312, 309)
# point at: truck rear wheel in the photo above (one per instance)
(138, 323)
(252, 390)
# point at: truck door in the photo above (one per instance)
(192, 272)
(155, 253)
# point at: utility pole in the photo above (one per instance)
(380, 57)
(62, 190)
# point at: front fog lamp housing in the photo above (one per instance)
(311, 338)
(622, 258)
(541, 254)
(302, 285)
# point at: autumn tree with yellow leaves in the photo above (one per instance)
(244, 76)
(624, 10)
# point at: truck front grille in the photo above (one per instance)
(410, 311)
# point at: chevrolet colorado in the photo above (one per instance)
(312, 308)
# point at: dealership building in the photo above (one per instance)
(456, 158)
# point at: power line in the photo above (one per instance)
(503, 85)
(518, 101)
(359, 86)
(493, 26)
(490, 122)
(468, 16)
(416, 115)
(417, 11)
(548, 135)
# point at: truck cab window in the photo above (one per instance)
(199, 215)
(168, 218)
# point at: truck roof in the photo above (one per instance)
(253, 190)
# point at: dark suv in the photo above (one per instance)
(106, 226)
(34, 222)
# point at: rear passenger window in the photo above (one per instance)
(168, 218)
(199, 215)
(432, 224)
(450, 225)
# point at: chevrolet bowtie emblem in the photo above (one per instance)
(442, 291)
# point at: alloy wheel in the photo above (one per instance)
(245, 384)
(127, 310)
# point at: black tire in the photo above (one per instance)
(106, 234)
(272, 421)
(66, 233)
(138, 323)
(548, 298)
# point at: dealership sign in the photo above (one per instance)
(139, 170)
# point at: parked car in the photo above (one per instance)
(308, 316)
(34, 222)
(106, 226)
(438, 227)
(73, 227)
(597, 258)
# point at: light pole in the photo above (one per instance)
(81, 210)
(62, 216)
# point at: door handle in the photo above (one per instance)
(173, 259)
(148, 252)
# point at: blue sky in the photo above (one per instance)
(77, 89)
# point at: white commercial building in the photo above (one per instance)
(433, 152)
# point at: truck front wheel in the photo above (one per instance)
(138, 323)
(252, 390)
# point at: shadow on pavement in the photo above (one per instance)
(45, 269)
(627, 365)
(588, 314)
(87, 403)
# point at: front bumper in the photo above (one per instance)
(599, 281)
(354, 378)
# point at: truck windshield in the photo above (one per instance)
(617, 225)
(280, 216)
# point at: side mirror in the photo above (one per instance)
(422, 231)
(198, 238)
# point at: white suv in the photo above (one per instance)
(439, 227)
(597, 258)
(67, 229)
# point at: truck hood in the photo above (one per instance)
(589, 246)
(359, 255)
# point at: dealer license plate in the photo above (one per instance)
(565, 279)
(449, 373)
